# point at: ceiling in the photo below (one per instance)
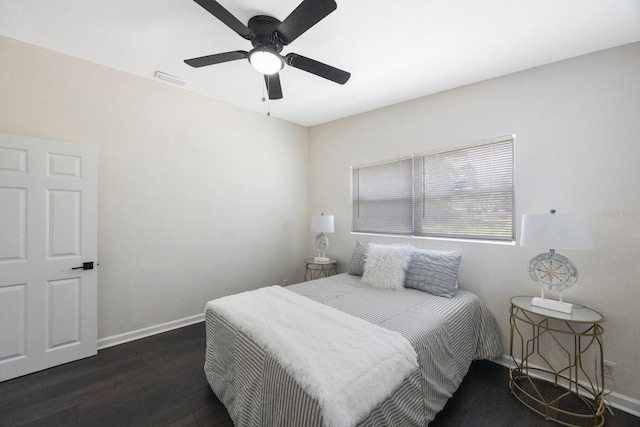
(395, 51)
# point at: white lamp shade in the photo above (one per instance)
(322, 223)
(556, 231)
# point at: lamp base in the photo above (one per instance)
(551, 304)
(321, 259)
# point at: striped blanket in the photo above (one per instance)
(447, 334)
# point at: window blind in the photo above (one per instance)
(463, 193)
(383, 198)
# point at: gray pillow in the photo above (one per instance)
(359, 257)
(435, 272)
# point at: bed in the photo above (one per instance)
(259, 385)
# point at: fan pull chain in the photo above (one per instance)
(265, 99)
(263, 86)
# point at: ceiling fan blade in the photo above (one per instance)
(216, 9)
(318, 68)
(306, 15)
(273, 85)
(217, 58)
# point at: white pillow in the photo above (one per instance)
(385, 265)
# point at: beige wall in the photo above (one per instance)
(197, 198)
(577, 127)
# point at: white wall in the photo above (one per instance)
(179, 224)
(197, 199)
(577, 127)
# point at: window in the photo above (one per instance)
(465, 193)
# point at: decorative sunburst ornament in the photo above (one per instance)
(554, 271)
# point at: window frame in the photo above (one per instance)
(503, 234)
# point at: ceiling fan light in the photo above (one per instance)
(265, 60)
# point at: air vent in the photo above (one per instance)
(169, 78)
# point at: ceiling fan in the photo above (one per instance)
(268, 36)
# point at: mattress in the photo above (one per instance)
(446, 333)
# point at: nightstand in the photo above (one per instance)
(557, 362)
(316, 269)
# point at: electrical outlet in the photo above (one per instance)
(609, 370)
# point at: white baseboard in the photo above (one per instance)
(616, 400)
(148, 331)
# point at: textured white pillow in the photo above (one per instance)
(435, 272)
(385, 265)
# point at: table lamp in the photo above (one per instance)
(554, 271)
(323, 224)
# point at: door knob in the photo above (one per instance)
(85, 266)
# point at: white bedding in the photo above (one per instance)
(348, 364)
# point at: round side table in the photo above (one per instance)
(316, 269)
(558, 362)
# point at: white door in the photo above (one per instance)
(48, 228)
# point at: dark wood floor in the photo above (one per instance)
(159, 381)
